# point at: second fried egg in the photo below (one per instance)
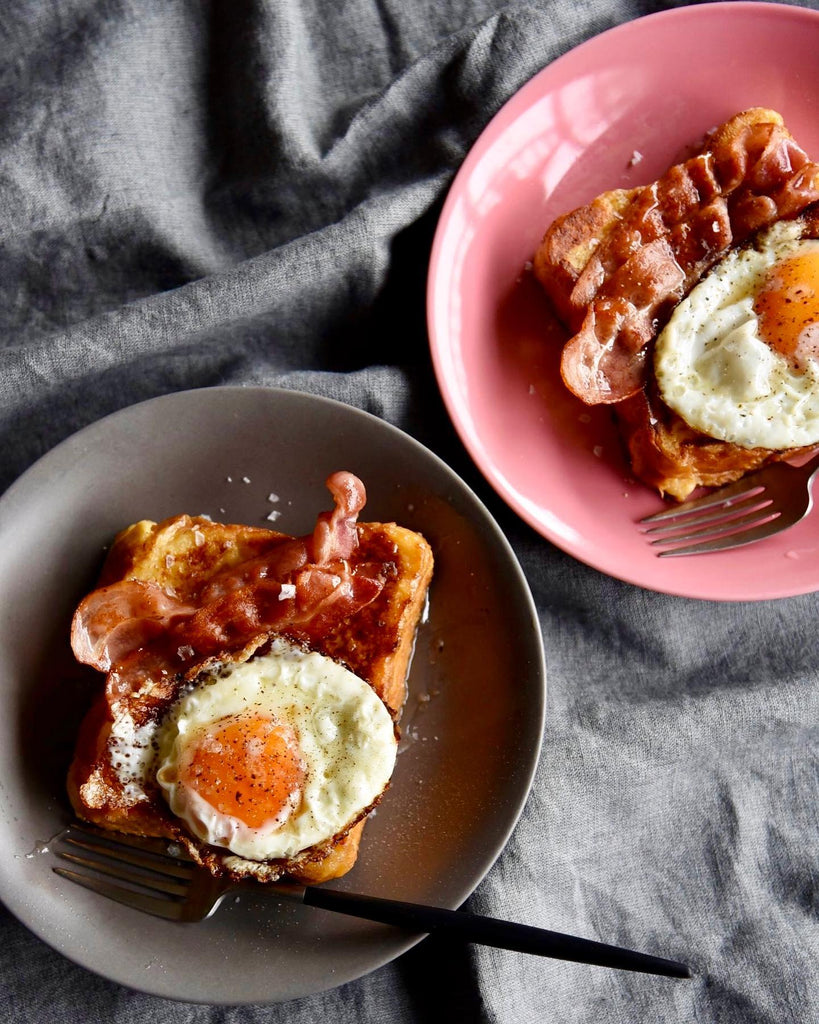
(739, 358)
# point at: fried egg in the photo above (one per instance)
(270, 756)
(739, 358)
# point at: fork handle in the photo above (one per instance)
(490, 931)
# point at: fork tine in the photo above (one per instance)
(721, 527)
(155, 881)
(727, 496)
(723, 513)
(159, 847)
(733, 540)
(130, 853)
(158, 906)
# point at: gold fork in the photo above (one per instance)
(157, 877)
(753, 508)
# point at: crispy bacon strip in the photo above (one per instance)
(335, 536)
(751, 174)
(113, 621)
(233, 621)
(132, 629)
(608, 354)
(267, 605)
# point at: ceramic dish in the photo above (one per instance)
(471, 730)
(614, 112)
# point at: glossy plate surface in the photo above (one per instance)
(613, 113)
(472, 725)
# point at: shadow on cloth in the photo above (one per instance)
(440, 978)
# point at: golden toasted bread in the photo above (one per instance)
(185, 557)
(615, 268)
(669, 455)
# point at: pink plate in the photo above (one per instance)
(614, 112)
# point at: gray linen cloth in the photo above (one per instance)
(245, 192)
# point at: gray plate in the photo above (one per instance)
(472, 726)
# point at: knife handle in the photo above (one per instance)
(489, 931)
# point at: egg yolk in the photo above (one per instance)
(787, 306)
(247, 767)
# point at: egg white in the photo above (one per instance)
(714, 369)
(345, 734)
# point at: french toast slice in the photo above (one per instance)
(182, 556)
(667, 454)
(615, 268)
